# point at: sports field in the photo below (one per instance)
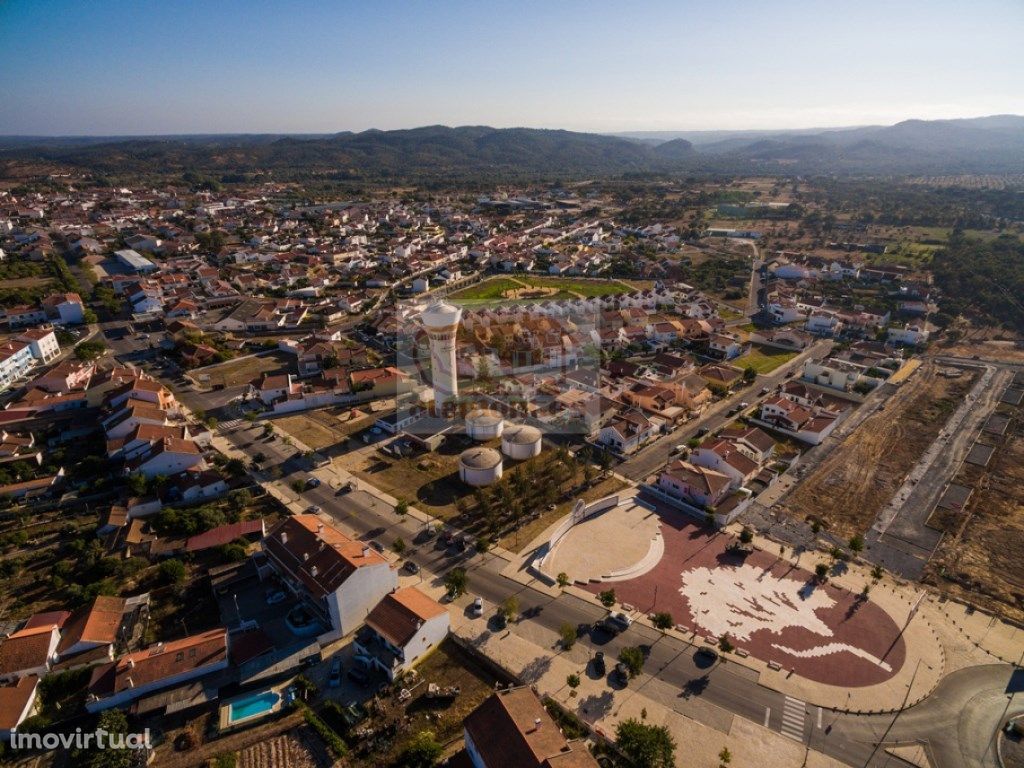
(538, 288)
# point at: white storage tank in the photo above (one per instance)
(480, 466)
(484, 424)
(521, 441)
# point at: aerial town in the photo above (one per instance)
(518, 385)
(305, 482)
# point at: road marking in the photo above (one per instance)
(767, 715)
(819, 717)
(793, 713)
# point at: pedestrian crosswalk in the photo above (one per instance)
(793, 713)
(231, 424)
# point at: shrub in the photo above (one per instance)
(172, 571)
(325, 732)
(663, 620)
(567, 633)
(633, 658)
(607, 598)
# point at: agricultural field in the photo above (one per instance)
(981, 556)
(764, 359)
(852, 485)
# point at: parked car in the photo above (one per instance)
(702, 431)
(622, 673)
(357, 675)
(616, 622)
(313, 509)
(411, 567)
(276, 596)
(599, 666)
(334, 679)
(476, 610)
(377, 545)
(312, 482)
(500, 620)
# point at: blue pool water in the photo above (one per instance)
(250, 706)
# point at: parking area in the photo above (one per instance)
(765, 605)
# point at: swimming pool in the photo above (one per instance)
(253, 705)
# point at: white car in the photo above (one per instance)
(476, 610)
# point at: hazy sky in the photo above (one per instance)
(111, 67)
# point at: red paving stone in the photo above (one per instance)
(853, 622)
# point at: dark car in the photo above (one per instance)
(377, 545)
(702, 431)
(622, 673)
(356, 675)
(600, 669)
(411, 567)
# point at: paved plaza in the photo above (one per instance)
(767, 606)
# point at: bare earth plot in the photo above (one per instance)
(243, 370)
(324, 428)
(852, 485)
(981, 557)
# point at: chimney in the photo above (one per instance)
(319, 529)
(314, 571)
(284, 537)
(305, 556)
(536, 723)
(366, 550)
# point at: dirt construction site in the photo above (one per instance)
(852, 485)
(981, 557)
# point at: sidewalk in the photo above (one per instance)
(546, 666)
(924, 667)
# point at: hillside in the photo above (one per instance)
(983, 145)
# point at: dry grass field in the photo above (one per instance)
(325, 427)
(849, 488)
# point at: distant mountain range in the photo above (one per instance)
(980, 145)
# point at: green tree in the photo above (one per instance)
(633, 658)
(821, 571)
(567, 634)
(402, 507)
(398, 545)
(563, 580)
(510, 607)
(172, 571)
(646, 746)
(856, 543)
(607, 597)
(663, 620)
(422, 751)
(573, 681)
(455, 581)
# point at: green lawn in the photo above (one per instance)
(487, 290)
(764, 359)
(493, 288)
(585, 288)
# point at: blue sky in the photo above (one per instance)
(112, 67)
